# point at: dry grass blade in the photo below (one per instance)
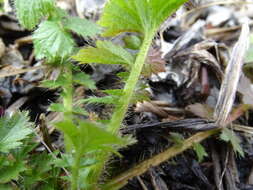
(232, 75)
(122, 179)
(20, 71)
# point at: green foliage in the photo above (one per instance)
(14, 131)
(105, 53)
(177, 138)
(51, 40)
(41, 171)
(11, 168)
(132, 42)
(86, 140)
(59, 82)
(31, 12)
(9, 138)
(84, 137)
(142, 16)
(84, 79)
(56, 107)
(99, 100)
(200, 151)
(81, 27)
(89, 145)
(229, 136)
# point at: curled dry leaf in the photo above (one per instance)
(154, 64)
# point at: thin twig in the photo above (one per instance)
(142, 183)
(213, 4)
(224, 170)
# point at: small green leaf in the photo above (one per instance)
(13, 130)
(71, 133)
(99, 100)
(114, 92)
(5, 187)
(229, 136)
(89, 133)
(82, 27)
(66, 160)
(200, 151)
(105, 53)
(51, 41)
(12, 172)
(80, 111)
(84, 79)
(84, 137)
(59, 82)
(123, 75)
(57, 107)
(132, 42)
(177, 138)
(30, 12)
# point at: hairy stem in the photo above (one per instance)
(75, 171)
(68, 116)
(68, 93)
(141, 168)
(124, 101)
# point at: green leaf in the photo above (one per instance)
(200, 151)
(51, 41)
(5, 187)
(132, 42)
(13, 130)
(84, 79)
(162, 9)
(141, 16)
(59, 82)
(177, 138)
(79, 111)
(123, 75)
(82, 27)
(30, 12)
(229, 136)
(41, 170)
(99, 100)
(57, 107)
(114, 95)
(11, 172)
(84, 137)
(89, 133)
(114, 92)
(105, 53)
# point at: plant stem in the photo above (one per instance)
(75, 171)
(68, 93)
(68, 116)
(124, 101)
(141, 168)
